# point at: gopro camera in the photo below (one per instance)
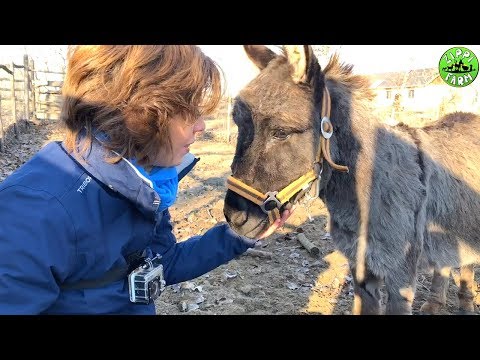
(146, 282)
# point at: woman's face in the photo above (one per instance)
(182, 135)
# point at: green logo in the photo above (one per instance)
(458, 67)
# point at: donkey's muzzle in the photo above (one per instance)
(235, 209)
(243, 216)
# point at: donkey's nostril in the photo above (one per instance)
(234, 216)
(227, 218)
(235, 209)
(239, 218)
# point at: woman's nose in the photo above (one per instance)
(199, 125)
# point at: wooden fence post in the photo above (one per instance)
(32, 88)
(26, 108)
(14, 102)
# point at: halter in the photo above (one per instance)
(272, 201)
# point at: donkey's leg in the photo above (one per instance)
(367, 294)
(438, 291)
(466, 292)
(401, 284)
(401, 292)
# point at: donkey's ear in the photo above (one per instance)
(297, 56)
(259, 54)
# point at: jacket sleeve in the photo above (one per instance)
(35, 243)
(199, 254)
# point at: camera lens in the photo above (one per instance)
(154, 289)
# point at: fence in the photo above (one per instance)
(25, 97)
(220, 126)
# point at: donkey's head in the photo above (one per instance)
(278, 115)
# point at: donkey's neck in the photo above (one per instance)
(351, 145)
(354, 125)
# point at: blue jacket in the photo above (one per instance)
(63, 220)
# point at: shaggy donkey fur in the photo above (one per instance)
(410, 194)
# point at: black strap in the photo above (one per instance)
(115, 274)
(134, 260)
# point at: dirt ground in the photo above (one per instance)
(287, 279)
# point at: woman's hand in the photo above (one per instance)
(277, 224)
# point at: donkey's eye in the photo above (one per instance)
(280, 134)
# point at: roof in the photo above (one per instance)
(410, 78)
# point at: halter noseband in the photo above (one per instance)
(272, 201)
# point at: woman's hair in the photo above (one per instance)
(130, 92)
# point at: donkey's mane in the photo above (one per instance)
(342, 73)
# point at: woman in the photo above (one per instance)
(83, 218)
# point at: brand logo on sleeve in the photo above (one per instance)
(84, 184)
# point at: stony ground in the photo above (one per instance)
(282, 277)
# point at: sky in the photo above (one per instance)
(239, 70)
(41, 54)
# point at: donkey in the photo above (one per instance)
(396, 195)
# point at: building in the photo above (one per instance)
(420, 94)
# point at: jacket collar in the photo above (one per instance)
(124, 178)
